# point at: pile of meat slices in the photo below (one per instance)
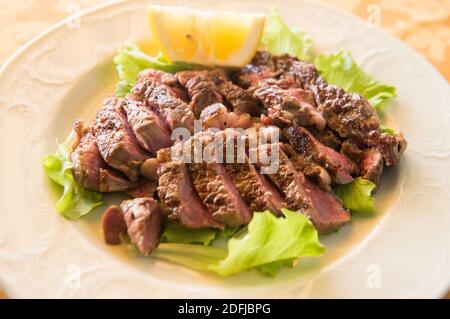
(328, 137)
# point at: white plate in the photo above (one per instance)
(62, 75)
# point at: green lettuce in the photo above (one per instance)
(278, 39)
(341, 69)
(357, 195)
(268, 244)
(130, 61)
(75, 201)
(174, 233)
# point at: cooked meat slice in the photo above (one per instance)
(89, 169)
(324, 208)
(350, 149)
(113, 225)
(201, 89)
(143, 218)
(149, 169)
(308, 167)
(289, 106)
(254, 188)
(144, 188)
(208, 87)
(260, 68)
(178, 195)
(372, 165)
(148, 128)
(217, 116)
(338, 165)
(215, 187)
(116, 142)
(391, 147)
(327, 137)
(175, 112)
(164, 78)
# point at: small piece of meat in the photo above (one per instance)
(116, 142)
(149, 169)
(215, 187)
(350, 149)
(175, 112)
(164, 78)
(338, 165)
(144, 188)
(372, 165)
(113, 225)
(308, 167)
(323, 208)
(327, 137)
(254, 188)
(289, 106)
(178, 195)
(202, 91)
(391, 147)
(260, 68)
(89, 169)
(143, 218)
(217, 116)
(208, 87)
(148, 128)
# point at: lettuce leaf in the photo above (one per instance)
(269, 244)
(130, 61)
(341, 69)
(356, 195)
(174, 233)
(388, 130)
(278, 39)
(75, 201)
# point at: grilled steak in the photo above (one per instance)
(208, 87)
(113, 225)
(217, 116)
(143, 218)
(148, 128)
(178, 195)
(215, 187)
(163, 78)
(338, 165)
(89, 169)
(372, 165)
(144, 188)
(324, 208)
(116, 142)
(173, 110)
(289, 106)
(255, 189)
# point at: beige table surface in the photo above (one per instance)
(423, 24)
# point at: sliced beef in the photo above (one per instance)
(116, 141)
(89, 169)
(113, 225)
(178, 195)
(323, 208)
(215, 187)
(217, 116)
(338, 165)
(287, 106)
(163, 78)
(327, 137)
(144, 188)
(390, 146)
(254, 188)
(147, 126)
(372, 165)
(209, 87)
(173, 110)
(260, 68)
(143, 218)
(308, 167)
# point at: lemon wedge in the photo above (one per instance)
(205, 37)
